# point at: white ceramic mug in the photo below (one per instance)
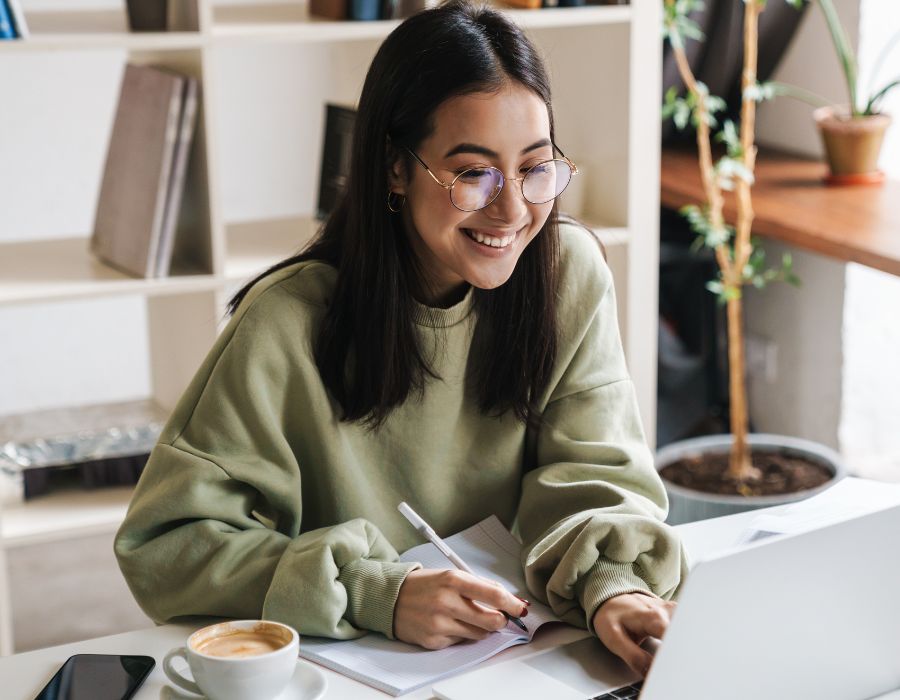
(257, 677)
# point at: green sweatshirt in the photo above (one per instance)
(257, 502)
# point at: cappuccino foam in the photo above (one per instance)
(241, 643)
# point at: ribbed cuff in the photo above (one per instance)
(605, 579)
(372, 588)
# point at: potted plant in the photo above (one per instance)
(722, 474)
(851, 133)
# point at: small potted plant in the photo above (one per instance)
(722, 474)
(852, 133)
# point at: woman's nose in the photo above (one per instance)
(510, 204)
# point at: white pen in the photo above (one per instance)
(429, 534)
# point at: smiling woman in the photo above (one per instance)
(444, 341)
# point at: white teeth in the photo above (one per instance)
(489, 240)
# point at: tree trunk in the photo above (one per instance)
(740, 468)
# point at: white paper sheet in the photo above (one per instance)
(849, 498)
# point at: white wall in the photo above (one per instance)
(804, 400)
(870, 421)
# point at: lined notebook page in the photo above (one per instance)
(395, 667)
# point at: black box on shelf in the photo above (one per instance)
(336, 148)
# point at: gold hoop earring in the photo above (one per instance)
(391, 204)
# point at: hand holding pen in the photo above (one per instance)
(436, 608)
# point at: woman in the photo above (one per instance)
(444, 341)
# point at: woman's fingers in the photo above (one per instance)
(620, 643)
(484, 591)
(475, 614)
(435, 609)
(625, 621)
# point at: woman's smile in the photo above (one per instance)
(492, 242)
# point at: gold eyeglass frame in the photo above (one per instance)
(504, 179)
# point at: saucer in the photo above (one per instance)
(308, 683)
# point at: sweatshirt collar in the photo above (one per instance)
(443, 318)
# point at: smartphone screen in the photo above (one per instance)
(98, 677)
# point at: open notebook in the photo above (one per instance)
(395, 667)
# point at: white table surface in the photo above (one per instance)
(23, 675)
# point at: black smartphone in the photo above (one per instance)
(98, 677)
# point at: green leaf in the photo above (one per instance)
(761, 91)
(870, 105)
(728, 168)
(844, 50)
(678, 26)
(729, 135)
(682, 115)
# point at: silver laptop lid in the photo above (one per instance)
(814, 615)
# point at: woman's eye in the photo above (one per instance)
(473, 174)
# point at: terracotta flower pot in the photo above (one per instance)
(852, 144)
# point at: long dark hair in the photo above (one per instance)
(367, 352)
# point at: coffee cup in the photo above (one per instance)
(238, 660)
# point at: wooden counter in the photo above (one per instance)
(792, 204)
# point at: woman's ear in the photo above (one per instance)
(396, 170)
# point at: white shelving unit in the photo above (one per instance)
(259, 135)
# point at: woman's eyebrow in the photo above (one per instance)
(482, 151)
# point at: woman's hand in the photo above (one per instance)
(624, 621)
(437, 608)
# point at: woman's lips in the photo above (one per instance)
(491, 238)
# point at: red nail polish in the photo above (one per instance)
(524, 602)
(524, 612)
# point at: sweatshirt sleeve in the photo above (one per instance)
(214, 527)
(592, 508)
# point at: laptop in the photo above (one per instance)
(809, 616)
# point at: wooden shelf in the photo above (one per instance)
(94, 29)
(292, 22)
(58, 269)
(793, 204)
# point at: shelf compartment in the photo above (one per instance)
(64, 515)
(292, 22)
(94, 29)
(254, 246)
(61, 269)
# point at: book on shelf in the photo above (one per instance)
(186, 125)
(7, 28)
(523, 4)
(336, 147)
(329, 9)
(18, 18)
(137, 180)
(146, 15)
(401, 9)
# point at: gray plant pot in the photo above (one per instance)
(687, 505)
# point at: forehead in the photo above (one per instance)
(505, 121)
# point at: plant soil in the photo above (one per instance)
(781, 474)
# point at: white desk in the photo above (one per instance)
(23, 675)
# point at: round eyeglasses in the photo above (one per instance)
(476, 188)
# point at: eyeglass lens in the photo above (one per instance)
(476, 188)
